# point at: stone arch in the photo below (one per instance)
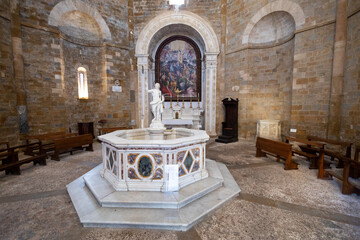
(145, 66)
(281, 5)
(67, 6)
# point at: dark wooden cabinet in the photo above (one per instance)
(85, 128)
(230, 126)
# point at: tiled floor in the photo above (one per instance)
(273, 204)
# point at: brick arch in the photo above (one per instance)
(172, 18)
(281, 5)
(145, 71)
(75, 5)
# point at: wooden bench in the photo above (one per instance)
(4, 151)
(314, 159)
(275, 148)
(11, 163)
(47, 140)
(330, 153)
(112, 129)
(350, 175)
(71, 143)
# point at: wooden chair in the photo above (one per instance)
(278, 149)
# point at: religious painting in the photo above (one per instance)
(178, 69)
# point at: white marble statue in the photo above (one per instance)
(156, 104)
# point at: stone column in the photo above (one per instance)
(210, 100)
(19, 80)
(337, 80)
(143, 82)
(133, 82)
(221, 69)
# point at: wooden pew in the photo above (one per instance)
(11, 163)
(275, 148)
(112, 129)
(315, 160)
(4, 151)
(350, 175)
(47, 140)
(70, 143)
(333, 154)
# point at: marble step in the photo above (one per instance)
(91, 214)
(108, 197)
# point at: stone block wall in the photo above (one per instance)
(144, 11)
(118, 108)
(307, 68)
(264, 78)
(350, 121)
(51, 59)
(9, 122)
(283, 80)
(42, 71)
(312, 81)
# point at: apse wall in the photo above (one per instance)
(9, 124)
(351, 98)
(51, 57)
(213, 11)
(301, 70)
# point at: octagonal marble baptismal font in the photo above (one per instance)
(152, 178)
(138, 160)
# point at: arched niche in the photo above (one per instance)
(163, 26)
(289, 7)
(78, 20)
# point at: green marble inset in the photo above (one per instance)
(111, 159)
(145, 166)
(188, 162)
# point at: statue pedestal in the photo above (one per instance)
(157, 125)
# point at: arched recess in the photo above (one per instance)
(281, 5)
(145, 54)
(68, 6)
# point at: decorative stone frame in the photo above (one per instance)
(281, 5)
(75, 5)
(145, 65)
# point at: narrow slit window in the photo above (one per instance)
(82, 83)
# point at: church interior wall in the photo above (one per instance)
(351, 98)
(144, 11)
(51, 57)
(9, 126)
(312, 80)
(288, 80)
(264, 80)
(44, 86)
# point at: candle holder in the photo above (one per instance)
(177, 91)
(190, 102)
